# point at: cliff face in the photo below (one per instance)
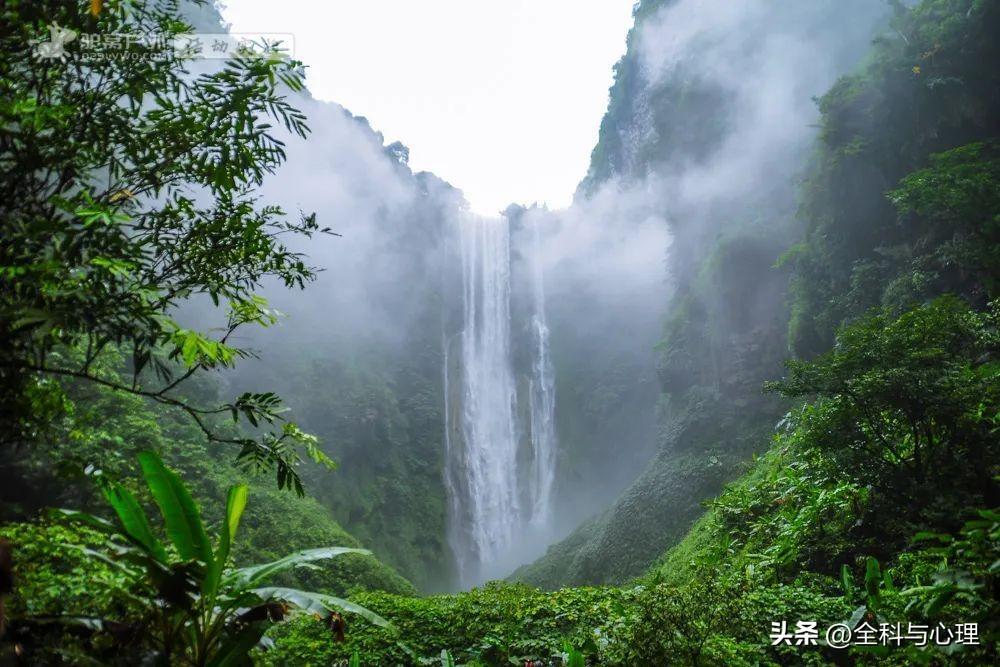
(711, 109)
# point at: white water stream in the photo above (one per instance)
(542, 402)
(499, 495)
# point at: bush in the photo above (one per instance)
(498, 624)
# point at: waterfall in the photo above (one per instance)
(542, 400)
(484, 470)
(499, 494)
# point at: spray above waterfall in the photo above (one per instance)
(500, 430)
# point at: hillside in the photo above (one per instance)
(832, 522)
(676, 118)
(742, 396)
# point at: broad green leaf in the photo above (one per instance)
(103, 558)
(180, 514)
(319, 603)
(189, 348)
(856, 617)
(235, 504)
(256, 574)
(133, 519)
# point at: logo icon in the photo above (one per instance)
(55, 47)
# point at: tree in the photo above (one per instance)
(126, 188)
(953, 208)
(916, 393)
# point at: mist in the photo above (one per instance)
(744, 74)
(726, 388)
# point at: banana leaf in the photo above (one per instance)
(235, 504)
(133, 519)
(180, 514)
(256, 574)
(319, 603)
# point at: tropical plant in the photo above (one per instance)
(194, 607)
(876, 583)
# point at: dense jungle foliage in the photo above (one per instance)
(856, 483)
(124, 197)
(377, 402)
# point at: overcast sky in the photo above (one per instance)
(502, 98)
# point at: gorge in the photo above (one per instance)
(497, 384)
(748, 380)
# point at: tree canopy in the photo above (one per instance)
(127, 186)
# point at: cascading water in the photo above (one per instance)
(542, 401)
(498, 496)
(488, 395)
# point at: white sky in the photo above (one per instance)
(502, 98)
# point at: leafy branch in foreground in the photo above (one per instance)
(127, 188)
(194, 607)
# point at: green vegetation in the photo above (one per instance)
(381, 418)
(859, 488)
(184, 603)
(898, 434)
(127, 188)
(495, 625)
(98, 427)
(124, 198)
(900, 207)
(203, 610)
(916, 123)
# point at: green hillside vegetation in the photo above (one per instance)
(895, 118)
(98, 429)
(380, 418)
(829, 414)
(856, 512)
(874, 498)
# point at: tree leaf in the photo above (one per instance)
(234, 650)
(846, 580)
(873, 578)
